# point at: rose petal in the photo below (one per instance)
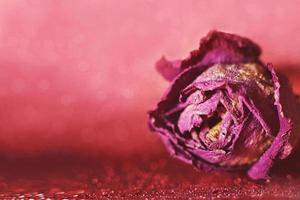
(225, 48)
(216, 47)
(191, 114)
(260, 169)
(168, 69)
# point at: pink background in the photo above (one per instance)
(78, 76)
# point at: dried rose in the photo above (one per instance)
(225, 109)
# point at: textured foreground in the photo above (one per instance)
(154, 177)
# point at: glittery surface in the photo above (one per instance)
(153, 176)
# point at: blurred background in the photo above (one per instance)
(77, 77)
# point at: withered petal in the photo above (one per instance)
(280, 148)
(216, 47)
(224, 109)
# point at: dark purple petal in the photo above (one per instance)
(168, 69)
(251, 141)
(216, 47)
(281, 146)
(223, 48)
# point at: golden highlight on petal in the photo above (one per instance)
(214, 132)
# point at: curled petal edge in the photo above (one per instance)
(280, 148)
(216, 48)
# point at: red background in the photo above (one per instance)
(77, 77)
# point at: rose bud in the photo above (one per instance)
(225, 109)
